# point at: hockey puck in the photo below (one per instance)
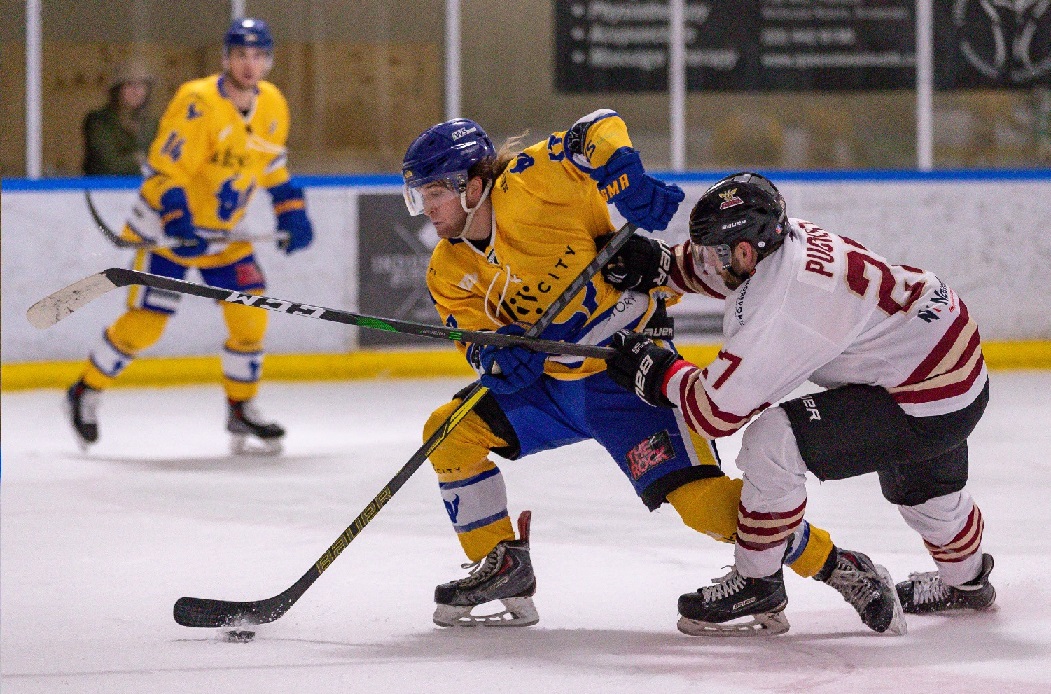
(238, 635)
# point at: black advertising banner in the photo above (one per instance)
(393, 252)
(836, 44)
(737, 45)
(990, 43)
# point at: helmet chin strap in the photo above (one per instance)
(472, 210)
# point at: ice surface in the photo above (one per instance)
(96, 547)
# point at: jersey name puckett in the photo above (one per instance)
(826, 309)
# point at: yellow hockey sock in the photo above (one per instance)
(709, 506)
(815, 554)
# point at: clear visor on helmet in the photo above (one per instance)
(434, 191)
(713, 259)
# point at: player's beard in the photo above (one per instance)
(734, 279)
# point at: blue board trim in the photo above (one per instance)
(868, 175)
(703, 177)
(133, 182)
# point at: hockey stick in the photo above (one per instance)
(121, 242)
(203, 612)
(56, 306)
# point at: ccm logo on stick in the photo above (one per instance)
(275, 305)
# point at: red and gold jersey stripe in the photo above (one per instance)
(684, 382)
(950, 369)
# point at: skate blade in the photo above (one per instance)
(764, 624)
(517, 612)
(897, 627)
(83, 444)
(241, 444)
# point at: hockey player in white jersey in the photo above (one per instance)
(901, 361)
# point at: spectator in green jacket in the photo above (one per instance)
(118, 135)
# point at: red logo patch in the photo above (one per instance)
(248, 274)
(649, 454)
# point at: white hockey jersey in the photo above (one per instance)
(826, 309)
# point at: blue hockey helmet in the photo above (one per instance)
(741, 207)
(248, 32)
(444, 152)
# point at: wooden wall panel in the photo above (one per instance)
(355, 106)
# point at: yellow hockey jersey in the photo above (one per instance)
(219, 156)
(547, 214)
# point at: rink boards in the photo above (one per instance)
(981, 232)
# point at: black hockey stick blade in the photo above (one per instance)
(204, 612)
(56, 306)
(112, 236)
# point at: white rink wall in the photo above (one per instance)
(985, 234)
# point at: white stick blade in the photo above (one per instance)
(56, 306)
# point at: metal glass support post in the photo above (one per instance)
(452, 59)
(924, 85)
(677, 84)
(34, 64)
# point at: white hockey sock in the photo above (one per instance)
(108, 359)
(476, 501)
(773, 497)
(951, 526)
(243, 367)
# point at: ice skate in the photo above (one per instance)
(505, 574)
(924, 593)
(868, 588)
(709, 611)
(252, 435)
(82, 403)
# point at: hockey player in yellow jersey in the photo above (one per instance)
(516, 228)
(221, 138)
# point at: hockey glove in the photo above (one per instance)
(642, 264)
(640, 198)
(178, 224)
(509, 369)
(640, 365)
(290, 209)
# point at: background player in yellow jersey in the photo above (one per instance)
(221, 138)
(516, 228)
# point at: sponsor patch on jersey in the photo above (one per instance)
(649, 454)
(248, 274)
(730, 199)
